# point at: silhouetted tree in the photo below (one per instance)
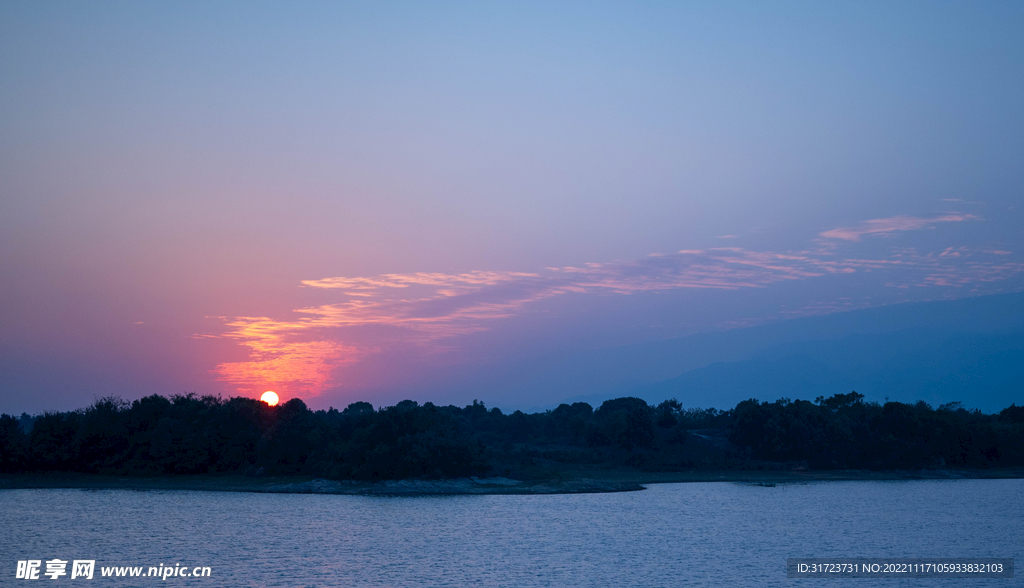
(190, 434)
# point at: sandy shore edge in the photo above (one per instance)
(567, 482)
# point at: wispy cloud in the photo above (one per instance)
(302, 354)
(454, 282)
(881, 226)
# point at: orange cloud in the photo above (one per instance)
(290, 367)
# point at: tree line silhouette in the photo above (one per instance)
(190, 434)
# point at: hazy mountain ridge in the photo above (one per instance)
(969, 350)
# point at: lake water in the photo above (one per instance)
(721, 534)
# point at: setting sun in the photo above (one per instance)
(270, 398)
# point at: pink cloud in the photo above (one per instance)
(470, 280)
(304, 354)
(891, 225)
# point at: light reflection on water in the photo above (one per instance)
(669, 535)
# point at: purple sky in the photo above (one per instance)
(364, 202)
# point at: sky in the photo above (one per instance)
(374, 201)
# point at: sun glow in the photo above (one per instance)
(270, 398)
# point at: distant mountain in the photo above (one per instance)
(971, 350)
(983, 372)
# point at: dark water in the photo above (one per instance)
(721, 534)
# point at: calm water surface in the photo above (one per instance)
(721, 534)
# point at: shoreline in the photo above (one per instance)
(564, 482)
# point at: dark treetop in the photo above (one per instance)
(189, 434)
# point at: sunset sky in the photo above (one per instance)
(380, 201)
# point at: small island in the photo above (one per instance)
(240, 444)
